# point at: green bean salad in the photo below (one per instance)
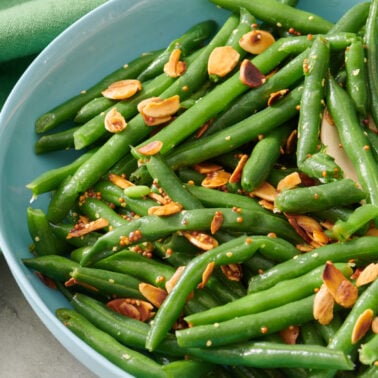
(205, 230)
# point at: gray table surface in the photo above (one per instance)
(27, 348)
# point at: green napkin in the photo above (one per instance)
(27, 26)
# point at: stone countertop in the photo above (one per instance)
(27, 348)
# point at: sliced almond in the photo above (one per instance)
(256, 41)
(374, 325)
(206, 275)
(216, 179)
(174, 67)
(250, 75)
(123, 89)
(120, 181)
(362, 325)
(201, 240)
(147, 101)
(170, 284)
(151, 148)
(81, 229)
(216, 222)
(114, 121)
(233, 272)
(323, 306)
(222, 61)
(275, 96)
(153, 294)
(166, 209)
(163, 108)
(265, 191)
(368, 275)
(133, 308)
(290, 181)
(236, 174)
(342, 290)
(206, 167)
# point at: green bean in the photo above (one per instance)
(53, 266)
(93, 108)
(277, 355)
(263, 157)
(190, 40)
(61, 140)
(327, 331)
(129, 360)
(69, 108)
(353, 139)
(293, 289)
(342, 340)
(166, 179)
(50, 180)
(125, 166)
(359, 249)
(188, 368)
(234, 136)
(372, 57)
(371, 372)
(356, 84)
(283, 15)
(310, 334)
(319, 197)
(368, 353)
(248, 326)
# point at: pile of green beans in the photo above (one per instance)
(205, 257)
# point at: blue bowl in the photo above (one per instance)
(100, 42)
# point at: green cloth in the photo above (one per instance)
(27, 26)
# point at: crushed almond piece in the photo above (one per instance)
(275, 96)
(216, 222)
(206, 167)
(170, 284)
(123, 89)
(222, 61)
(265, 191)
(368, 275)
(290, 334)
(236, 174)
(153, 294)
(256, 41)
(206, 275)
(133, 308)
(201, 240)
(250, 75)
(216, 179)
(342, 290)
(114, 121)
(175, 67)
(151, 148)
(362, 325)
(323, 305)
(233, 272)
(166, 209)
(81, 229)
(120, 181)
(290, 181)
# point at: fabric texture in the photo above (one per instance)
(27, 26)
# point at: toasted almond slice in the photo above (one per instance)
(114, 121)
(275, 96)
(290, 334)
(151, 148)
(123, 89)
(342, 290)
(147, 101)
(165, 210)
(323, 305)
(233, 272)
(222, 61)
(216, 222)
(368, 275)
(256, 41)
(200, 240)
(170, 284)
(120, 181)
(174, 67)
(290, 181)
(153, 294)
(206, 274)
(216, 179)
(266, 205)
(236, 174)
(81, 229)
(362, 325)
(266, 192)
(374, 325)
(250, 75)
(164, 108)
(133, 308)
(207, 167)
(151, 121)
